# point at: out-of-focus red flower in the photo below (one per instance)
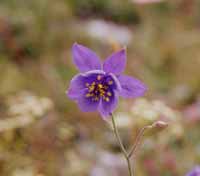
(169, 160)
(151, 167)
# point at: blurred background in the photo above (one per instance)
(43, 133)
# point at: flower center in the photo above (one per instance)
(99, 89)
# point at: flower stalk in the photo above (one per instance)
(125, 153)
(138, 139)
(98, 86)
(128, 155)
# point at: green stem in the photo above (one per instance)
(138, 139)
(126, 155)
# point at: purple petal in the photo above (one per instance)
(115, 82)
(77, 85)
(131, 87)
(85, 59)
(194, 172)
(91, 76)
(106, 108)
(115, 63)
(87, 104)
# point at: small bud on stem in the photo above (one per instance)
(160, 124)
(156, 125)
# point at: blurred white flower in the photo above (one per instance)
(165, 110)
(16, 122)
(123, 120)
(152, 110)
(108, 32)
(26, 104)
(23, 172)
(109, 164)
(75, 164)
(144, 109)
(24, 108)
(98, 171)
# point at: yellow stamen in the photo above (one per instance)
(107, 99)
(91, 88)
(88, 95)
(100, 86)
(97, 90)
(109, 94)
(96, 99)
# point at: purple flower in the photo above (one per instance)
(98, 86)
(194, 172)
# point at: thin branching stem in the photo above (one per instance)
(122, 146)
(138, 139)
(126, 154)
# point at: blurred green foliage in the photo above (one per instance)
(111, 10)
(35, 57)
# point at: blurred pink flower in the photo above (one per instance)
(192, 112)
(151, 167)
(146, 1)
(169, 160)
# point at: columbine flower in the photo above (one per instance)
(98, 87)
(194, 172)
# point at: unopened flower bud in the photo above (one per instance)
(160, 124)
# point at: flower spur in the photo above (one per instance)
(98, 86)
